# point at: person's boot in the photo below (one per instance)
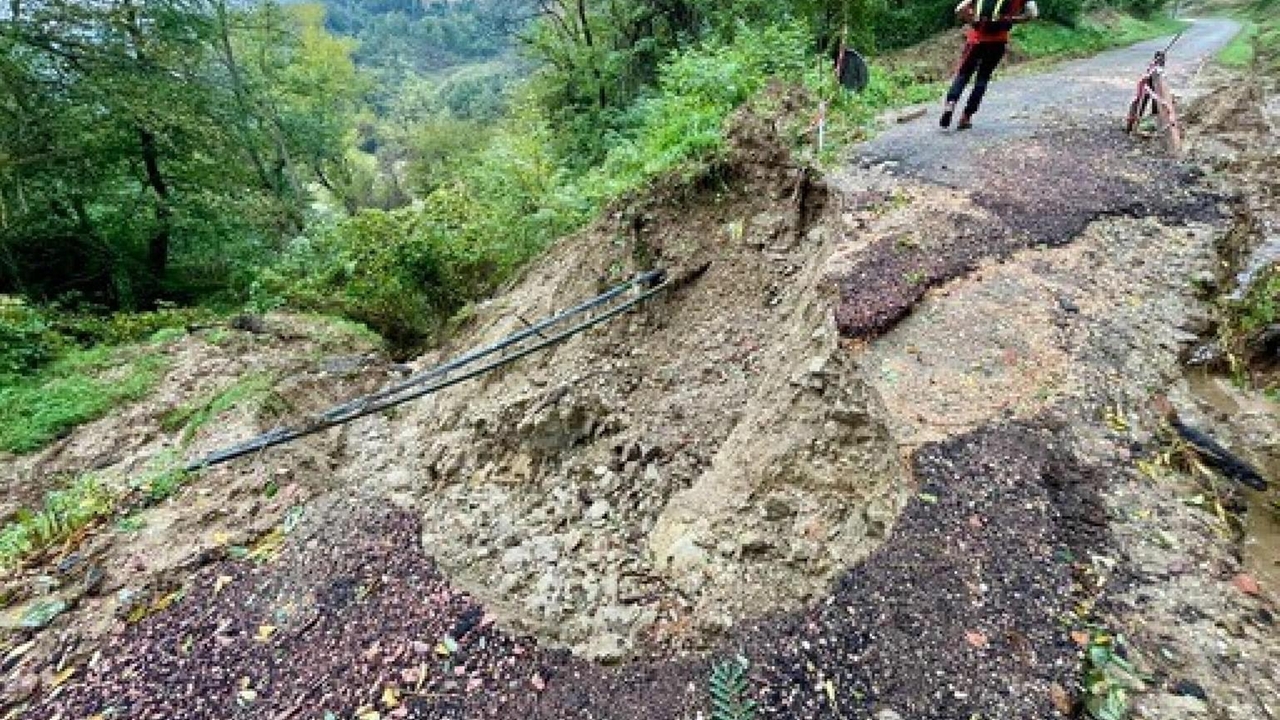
(966, 121)
(945, 120)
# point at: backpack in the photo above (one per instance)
(989, 15)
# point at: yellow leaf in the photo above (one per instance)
(63, 676)
(220, 583)
(390, 698)
(265, 632)
(368, 714)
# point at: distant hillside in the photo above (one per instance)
(470, 42)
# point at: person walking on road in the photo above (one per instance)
(986, 37)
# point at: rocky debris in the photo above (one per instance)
(617, 486)
(352, 619)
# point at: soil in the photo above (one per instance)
(916, 525)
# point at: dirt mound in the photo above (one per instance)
(1233, 110)
(616, 490)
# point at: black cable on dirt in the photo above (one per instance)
(1220, 458)
(438, 378)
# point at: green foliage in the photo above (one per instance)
(150, 150)
(1258, 43)
(1047, 39)
(683, 120)
(254, 390)
(82, 385)
(26, 339)
(1258, 310)
(377, 268)
(729, 691)
(1240, 51)
(162, 483)
(64, 513)
(1108, 678)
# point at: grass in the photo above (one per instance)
(87, 500)
(81, 386)
(1045, 40)
(1258, 42)
(1239, 53)
(64, 514)
(254, 390)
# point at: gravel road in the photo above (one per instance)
(1072, 94)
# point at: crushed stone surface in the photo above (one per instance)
(352, 616)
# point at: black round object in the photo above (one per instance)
(854, 74)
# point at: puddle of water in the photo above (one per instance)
(1261, 545)
(1262, 542)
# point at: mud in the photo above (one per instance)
(613, 493)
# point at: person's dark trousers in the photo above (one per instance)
(982, 57)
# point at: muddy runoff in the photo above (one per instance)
(711, 457)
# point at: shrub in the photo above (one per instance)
(374, 268)
(27, 341)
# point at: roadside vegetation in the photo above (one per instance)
(1257, 46)
(1092, 33)
(1249, 333)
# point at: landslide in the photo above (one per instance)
(712, 456)
(707, 458)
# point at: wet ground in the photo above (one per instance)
(959, 615)
(1047, 156)
(1015, 392)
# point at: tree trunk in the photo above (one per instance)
(158, 245)
(601, 98)
(243, 105)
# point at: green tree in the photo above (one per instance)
(140, 135)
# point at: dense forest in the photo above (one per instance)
(386, 160)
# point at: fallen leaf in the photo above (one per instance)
(1080, 637)
(410, 675)
(831, 691)
(928, 498)
(247, 695)
(265, 632)
(975, 638)
(368, 714)
(220, 583)
(447, 647)
(62, 676)
(1246, 584)
(390, 698)
(1058, 696)
(538, 683)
